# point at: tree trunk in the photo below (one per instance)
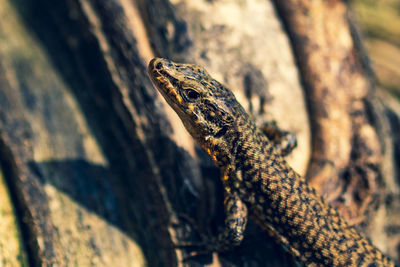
(96, 169)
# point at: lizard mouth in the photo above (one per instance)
(163, 81)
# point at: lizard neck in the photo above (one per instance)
(224, 149)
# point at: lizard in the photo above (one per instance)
(257, 181)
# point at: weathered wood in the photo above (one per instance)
(384, 227)
(67, 192)
(12, 250)
(100, 167)
(346, 148)
(346, 151)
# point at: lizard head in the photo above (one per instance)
(206, 108)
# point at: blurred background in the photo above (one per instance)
(380, 23)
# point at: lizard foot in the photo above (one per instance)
(206, 246)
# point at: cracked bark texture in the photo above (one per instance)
(95, 168)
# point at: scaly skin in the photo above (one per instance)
(257, 180)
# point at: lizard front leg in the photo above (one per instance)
(235, 221)
(231, 233)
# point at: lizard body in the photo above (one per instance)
(256, 179)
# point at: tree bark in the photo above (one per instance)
(345, 144)
(98, 168)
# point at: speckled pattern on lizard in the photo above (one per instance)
(256, 179)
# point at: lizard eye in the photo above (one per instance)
(191, 95)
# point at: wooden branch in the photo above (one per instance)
(345, 150)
